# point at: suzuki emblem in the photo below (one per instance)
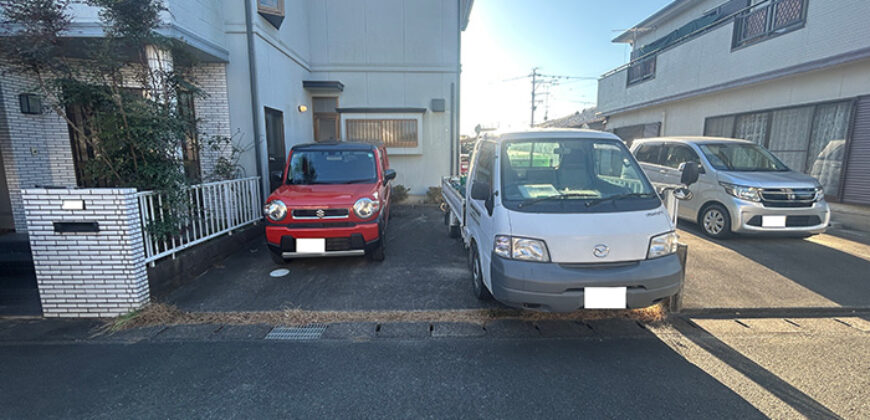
(320, 213)
(600, 250)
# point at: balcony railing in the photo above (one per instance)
(641, 70)
(768, 19)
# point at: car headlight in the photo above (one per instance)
(365, 208)
(742, 192)
(275, 210)
(661, 245)
(820, 194)
(524, 249)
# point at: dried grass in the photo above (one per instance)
(163, 314)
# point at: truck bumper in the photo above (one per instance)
(340, 241)
(554, 287)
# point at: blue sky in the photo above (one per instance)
(506, 38)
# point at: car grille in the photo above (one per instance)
(790, 221)
(788, 197)
(320, 213)
(337, 244)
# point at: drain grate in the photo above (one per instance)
(308, 332)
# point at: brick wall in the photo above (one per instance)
(213, 111)
(99, 274)
(35, 148)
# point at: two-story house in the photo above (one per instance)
(276, 73)
(791, 75)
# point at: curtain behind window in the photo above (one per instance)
(719, 126)
(827, 144)
(790, 136)
(752, 127)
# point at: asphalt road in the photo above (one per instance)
(426, 270)
(618, 378)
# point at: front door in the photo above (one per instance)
(275, 144)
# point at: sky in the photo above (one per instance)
(505, 39)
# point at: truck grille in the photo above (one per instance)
(788, 197)
(320, 213)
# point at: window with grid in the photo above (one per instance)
(400, 133)
(768, 19)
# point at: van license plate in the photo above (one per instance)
(772, 221)
(311, 245)
(604, 297)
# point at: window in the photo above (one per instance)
(648, 153)
(271, 7)
(641, 70)
(640, 131)
(396, 133)
(325, 118)
(768, 19)
(807, 138)
(483, 173)
(190, 148)
(676, 154)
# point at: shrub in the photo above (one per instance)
(399, 193)
(433, 196)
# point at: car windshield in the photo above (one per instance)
(573, 175)
(741, 157)
(332, 167)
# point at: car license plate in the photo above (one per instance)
(772, 221)
(311, 245)
(604, 297)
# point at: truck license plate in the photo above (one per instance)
(310, 245)
(604, 297)
(772, 221)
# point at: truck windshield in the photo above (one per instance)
(741, 157)
(332, 167)
(573, 175)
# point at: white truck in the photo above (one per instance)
(558, 220)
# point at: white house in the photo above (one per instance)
(792, 75)
(279, 73)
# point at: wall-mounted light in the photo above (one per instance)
(302, 108)
(30, 103)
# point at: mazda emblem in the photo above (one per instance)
(320, 213)
(600, 250)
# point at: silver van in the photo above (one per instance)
(743, 188)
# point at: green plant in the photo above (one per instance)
(433, 196)
(119, 93)
(399, 193)
(228, 151)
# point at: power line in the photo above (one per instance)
(545, 81)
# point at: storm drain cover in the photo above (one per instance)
(308, 332)
(281, 272)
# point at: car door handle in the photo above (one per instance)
(663, 171)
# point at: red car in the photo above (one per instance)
(334, 200)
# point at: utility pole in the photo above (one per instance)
(534, 83)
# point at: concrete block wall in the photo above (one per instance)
(35, 147)
(213, 111)
(87, 274)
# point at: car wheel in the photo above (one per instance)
(378, 253)
(715, 221)
(477, 287)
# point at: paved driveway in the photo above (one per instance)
(424, 269)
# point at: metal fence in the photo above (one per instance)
(766, 19)
(209, 210)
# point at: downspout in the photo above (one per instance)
(452, 120)
(454, 156)
(255, 98)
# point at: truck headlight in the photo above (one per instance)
(275, 210)
(365, 208)
(661, 245)
(524, 249)
(742, 192)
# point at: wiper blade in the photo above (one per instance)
(359, 181)
(531, 201)
(598, 201)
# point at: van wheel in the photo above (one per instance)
(477, 287)
(715, 221)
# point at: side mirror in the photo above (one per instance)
(389, 175)
(683, 193)
(691, 170)
(480, 191)
(277, 176)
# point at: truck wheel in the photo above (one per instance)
(477, 287)
(452, 230)
(715, 221)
